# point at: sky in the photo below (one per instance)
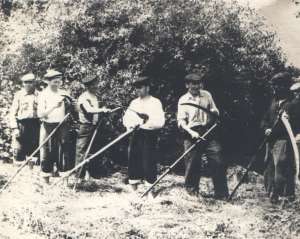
(280, 15)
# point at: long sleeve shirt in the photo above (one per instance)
(47, 100)
(193, 116)
(291, 108)
(24, 106)
(85, 101)
(150, 106)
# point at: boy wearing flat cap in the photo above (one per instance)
(280, 171)
(89, 110)
(195, 122)
(146, 112)
(52, 105)
(24, 120)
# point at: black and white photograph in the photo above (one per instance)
(149, 119)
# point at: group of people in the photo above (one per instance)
(34, 115)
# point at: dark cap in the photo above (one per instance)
(282, 79)
(193, 77)
(51, 74)
(88, 80)
(142, 80)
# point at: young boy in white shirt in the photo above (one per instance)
(142, 145)
(52, 110)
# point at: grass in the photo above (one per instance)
(107, 208)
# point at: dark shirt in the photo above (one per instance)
(292, 108)
(294, 115)
(271, 117)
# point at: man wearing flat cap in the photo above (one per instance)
(281, 168)
(52, 107)
(194, 122)
(89, 116)
(145, 112)
(24, 120)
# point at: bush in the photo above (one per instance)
(166, 39)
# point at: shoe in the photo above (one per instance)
(125, 180)
(133, 187)
(18, 163)
(46, 179)
(192, 191)
(55, 174)
(150, 195)
(274, 199)
(291, 198)
(221, 197)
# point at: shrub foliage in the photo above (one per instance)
(166, 39)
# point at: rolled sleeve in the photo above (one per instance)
(212, 105)
(130, 118)
(41, 106)
(182, 114)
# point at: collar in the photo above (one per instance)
(25, 93)
(191, 97)
(145, 98)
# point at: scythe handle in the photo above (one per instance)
(35, 151)
(180, 158)
(95, 155)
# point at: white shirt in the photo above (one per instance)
(24, 106)
(148, 105)
(49, 99)
(87, 98)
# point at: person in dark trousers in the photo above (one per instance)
(295, 111)
(281, 166)
(89, 116)
(52, 107)
(24, 120)
(146, 112)
(194, 122)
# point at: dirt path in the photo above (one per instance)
(107, 208)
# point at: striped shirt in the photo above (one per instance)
(24, 106)
(193, 116)
(90, 99)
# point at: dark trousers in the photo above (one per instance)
(141, 156)
(212, 150)
(280, 171)
(85, 134)
(57, 149)
(28, 140)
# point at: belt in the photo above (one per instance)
(27, 120)
(86, 123)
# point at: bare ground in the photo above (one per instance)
(107, 208)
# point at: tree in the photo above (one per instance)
(120, 39)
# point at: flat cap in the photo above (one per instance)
(142, 80)
(52, 74)
(282, 78)
(28, 77)
(193, 77)
(295, 87)
(89, 80)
